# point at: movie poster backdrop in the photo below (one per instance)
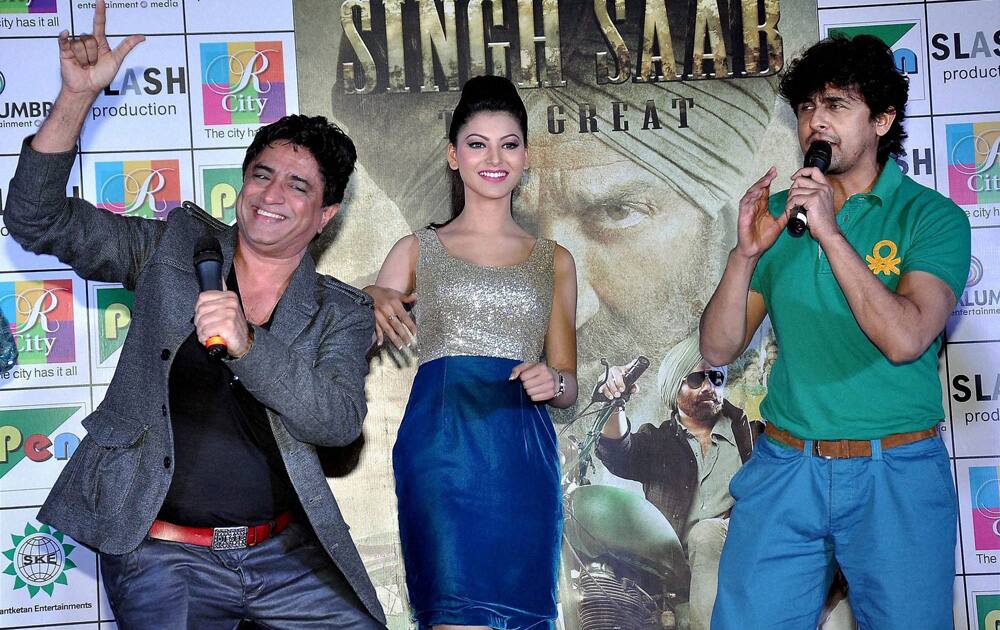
(648, 119)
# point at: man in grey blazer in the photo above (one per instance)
(198, 481)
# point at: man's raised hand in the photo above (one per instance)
(87, 62)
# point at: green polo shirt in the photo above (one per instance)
(830, 381)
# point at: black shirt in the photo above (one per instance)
(228, 469)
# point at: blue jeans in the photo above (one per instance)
(888, 520)
(287, 581)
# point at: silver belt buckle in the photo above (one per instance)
(227, 538)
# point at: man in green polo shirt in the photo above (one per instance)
(852, 471)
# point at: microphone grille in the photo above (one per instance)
(819, 154)
(207, 248)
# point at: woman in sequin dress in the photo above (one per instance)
(476, 461)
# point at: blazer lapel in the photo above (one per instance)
(297, 305)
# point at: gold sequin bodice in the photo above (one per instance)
(467, 309)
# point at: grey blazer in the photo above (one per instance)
(308, 369)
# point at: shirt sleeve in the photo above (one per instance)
(942, 245)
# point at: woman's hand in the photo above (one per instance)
(392, 320)
(540, 382)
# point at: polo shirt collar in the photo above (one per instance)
(886, 184)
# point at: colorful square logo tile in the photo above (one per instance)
(894, 34)
(41, 316)
(29, 433)
(140, 188)
(973, 164)
(222, 185)
(243, 83)
(114, 312)
(985, 489)
(28, 6)
(988, 611)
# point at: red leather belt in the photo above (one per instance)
(221, 538)
(847, 448)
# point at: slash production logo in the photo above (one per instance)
(39, 559)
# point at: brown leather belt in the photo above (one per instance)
(847, 448)
(221, 538)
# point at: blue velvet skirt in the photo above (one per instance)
(480, 504)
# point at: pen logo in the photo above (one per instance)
(242, 82)
(973, 164)
(883, 259)
(141, 188)
(41, 315)
(39, 559)
(985, 489)
(988, 611)
(222, 186)
(114, 314)
(27, 433)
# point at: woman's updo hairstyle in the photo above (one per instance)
(486, 93)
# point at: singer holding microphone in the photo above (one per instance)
(198, 482)
(851, 471)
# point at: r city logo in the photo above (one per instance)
(39, 559)
(28, 6)
(973, 165)
(143, 188)
(984, 487)
(243, 82)
(41, 313)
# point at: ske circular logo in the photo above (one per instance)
(3, 82)
(975, 272)
(39, 559)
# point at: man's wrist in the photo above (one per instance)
(235, 357)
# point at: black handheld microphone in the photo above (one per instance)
(629, 378)
(818, 156)
(208, 268)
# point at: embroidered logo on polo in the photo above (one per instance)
(39, 559)
(883, 259)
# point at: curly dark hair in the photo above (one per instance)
(862, 64)
(330, 146)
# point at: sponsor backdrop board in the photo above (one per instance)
(625, 158)
(140, 155)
